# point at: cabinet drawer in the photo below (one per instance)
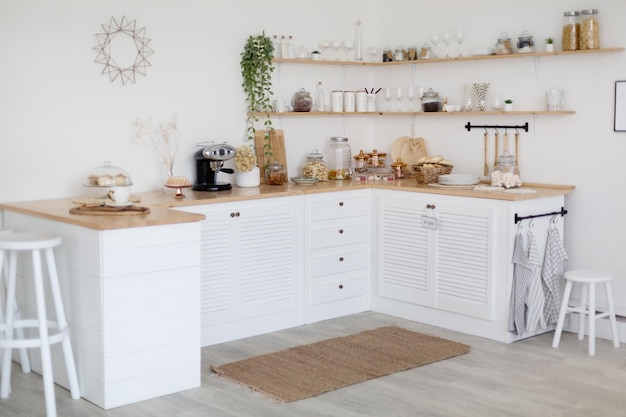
(339, 290)
(338, 235)
(339, 262)
(339, 208)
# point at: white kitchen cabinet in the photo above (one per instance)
(337, 250)
(250, 267)
(459, 275)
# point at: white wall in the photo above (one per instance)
(61, 116)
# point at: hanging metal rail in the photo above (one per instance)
(470, 126)
(518, 219)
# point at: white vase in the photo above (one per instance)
(250, 178)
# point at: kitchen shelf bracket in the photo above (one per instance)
(562, 213)
(470, 126)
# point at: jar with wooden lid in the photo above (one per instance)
(399, 168)
(589, 29)
(315, 167)
(360, 161)
(571, 31)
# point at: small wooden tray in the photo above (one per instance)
(109, 211)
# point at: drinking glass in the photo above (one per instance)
(411, 92)
(348, 46)
(388, 96)
(399, 97)
(337, 46)
(374, 53)
(446, 37)
(434, 39)
(459, 36)
(324, 45)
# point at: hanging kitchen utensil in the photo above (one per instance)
(516, 148)
(495, 157)
(486, 166)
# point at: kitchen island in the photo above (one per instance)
(143, 293)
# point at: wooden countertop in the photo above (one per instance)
(161, 202)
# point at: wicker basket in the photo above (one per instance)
(429, 173)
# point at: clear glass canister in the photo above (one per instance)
(339, 158)
(431, 102)
(525, 43)
(571, 30)
(506, 172)
(589, 29)
(315, 167)
(275, 174)
(503, 46)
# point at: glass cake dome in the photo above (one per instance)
(108, 175)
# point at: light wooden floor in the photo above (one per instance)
(527, 378)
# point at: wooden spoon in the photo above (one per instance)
(495, 159)
(486, 166)
(516, 148)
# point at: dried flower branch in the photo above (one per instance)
(164, 138)
(245, 158)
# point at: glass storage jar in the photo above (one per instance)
(302, 101)
(339, 158)
(571, 31)
(589, 29)
(506, 172)
(315, 167)
(275, 174)
(431, 102)
(525, 43)
(360, 161)
(503, 46)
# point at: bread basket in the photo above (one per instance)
(429, 173)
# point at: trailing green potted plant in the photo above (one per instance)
(256, 69)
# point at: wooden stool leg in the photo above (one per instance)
(62, 322)
(46, 357)
(562, 312)
(5, 378)
(592, 319)
(582, 308)
(609, 299)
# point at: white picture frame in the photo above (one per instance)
(620, 107)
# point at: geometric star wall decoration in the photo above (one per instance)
(123, 50)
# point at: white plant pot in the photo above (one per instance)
(508, 106)
(549, 47)
(249, 178)
(316, 57)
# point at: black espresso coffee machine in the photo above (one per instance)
(209, 161)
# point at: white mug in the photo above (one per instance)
(119, 195)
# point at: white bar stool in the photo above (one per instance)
(24, 360)
(588, 279)
(50, 332)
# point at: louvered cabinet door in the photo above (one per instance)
(463, 254)
(403, 257)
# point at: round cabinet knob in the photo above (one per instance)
(340, 231)
(430, 206)
(341, 286)
(232, 214)
(237, 214)
(341, 259)
(341, 204)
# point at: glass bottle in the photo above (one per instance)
(284, 47)
(319, 101)
(315, 167)
(291, 48)
(589, 29)
(571, 31)
(339, 159)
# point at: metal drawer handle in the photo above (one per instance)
(237, 214)
(430, 206)
(341, 259)
(341, 204)
(341, 286)
(340, 231)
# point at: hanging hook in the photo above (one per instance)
(531, 224)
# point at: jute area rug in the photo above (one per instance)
(309, 370)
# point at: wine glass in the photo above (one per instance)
(324, 45)
(399, 96)
(348, 46)
(337, 46)
(459, 36)
(446, 37)
(374, 53)
(411, 92)
(388, 96)
(434, 39)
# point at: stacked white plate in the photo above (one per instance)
(458, 179)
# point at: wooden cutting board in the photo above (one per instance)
(277, 143)
(109, 211)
